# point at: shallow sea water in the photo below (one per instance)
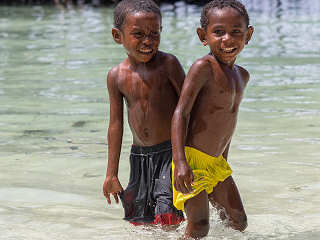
(54, 115)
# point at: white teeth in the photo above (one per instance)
(146, 50)
(228, 50)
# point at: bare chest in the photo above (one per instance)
(145, 87)
(225, 93)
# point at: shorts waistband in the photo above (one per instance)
(151, 149)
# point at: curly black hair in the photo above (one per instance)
(126, 7)
(204, 21)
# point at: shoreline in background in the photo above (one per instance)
(96, 3)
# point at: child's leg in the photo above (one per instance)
(197, 211)
(226, 196)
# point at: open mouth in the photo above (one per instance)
(145, 50)
(228, 50)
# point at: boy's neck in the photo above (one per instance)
(227, 65)
(134, 64)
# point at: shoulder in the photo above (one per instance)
(112, 73)
(200, 72)
(168, 59)
(112, 76)
(171, 66)
(244, 73)
(117, 72)
(172, 69)
(203, 65)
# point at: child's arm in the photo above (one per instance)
(115, 132)
(196, 78)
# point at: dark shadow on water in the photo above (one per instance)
(279, 28)
(79, 124)
(36, 132)
(279, 9)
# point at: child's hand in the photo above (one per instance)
(112, 186)
(183, 178)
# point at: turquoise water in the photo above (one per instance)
(54, 115)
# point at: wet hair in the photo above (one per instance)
(204, 20)
(126, 7)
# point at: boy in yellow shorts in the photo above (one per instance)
(210, 98)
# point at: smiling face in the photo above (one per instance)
(140, 35)
(226, 34)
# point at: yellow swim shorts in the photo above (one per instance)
(207, 172)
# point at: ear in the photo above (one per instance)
(202, 36)
(116, 34)
(249, 34)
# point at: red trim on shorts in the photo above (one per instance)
(168, 219)
(163, 219)
(138, 223)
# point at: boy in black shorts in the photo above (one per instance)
(150, 82)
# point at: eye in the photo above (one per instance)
(219, 32)
(155, 34)
(236, 31)
(138, 34)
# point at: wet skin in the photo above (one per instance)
(211, 95)
(149, 81)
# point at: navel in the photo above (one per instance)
(146, 132)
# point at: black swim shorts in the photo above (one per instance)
(148, 196)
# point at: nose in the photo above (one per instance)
(227, 38)
(147, 39)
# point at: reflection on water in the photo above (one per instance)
(54, 114)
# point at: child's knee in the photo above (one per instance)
(198, 229)
(240, 222)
